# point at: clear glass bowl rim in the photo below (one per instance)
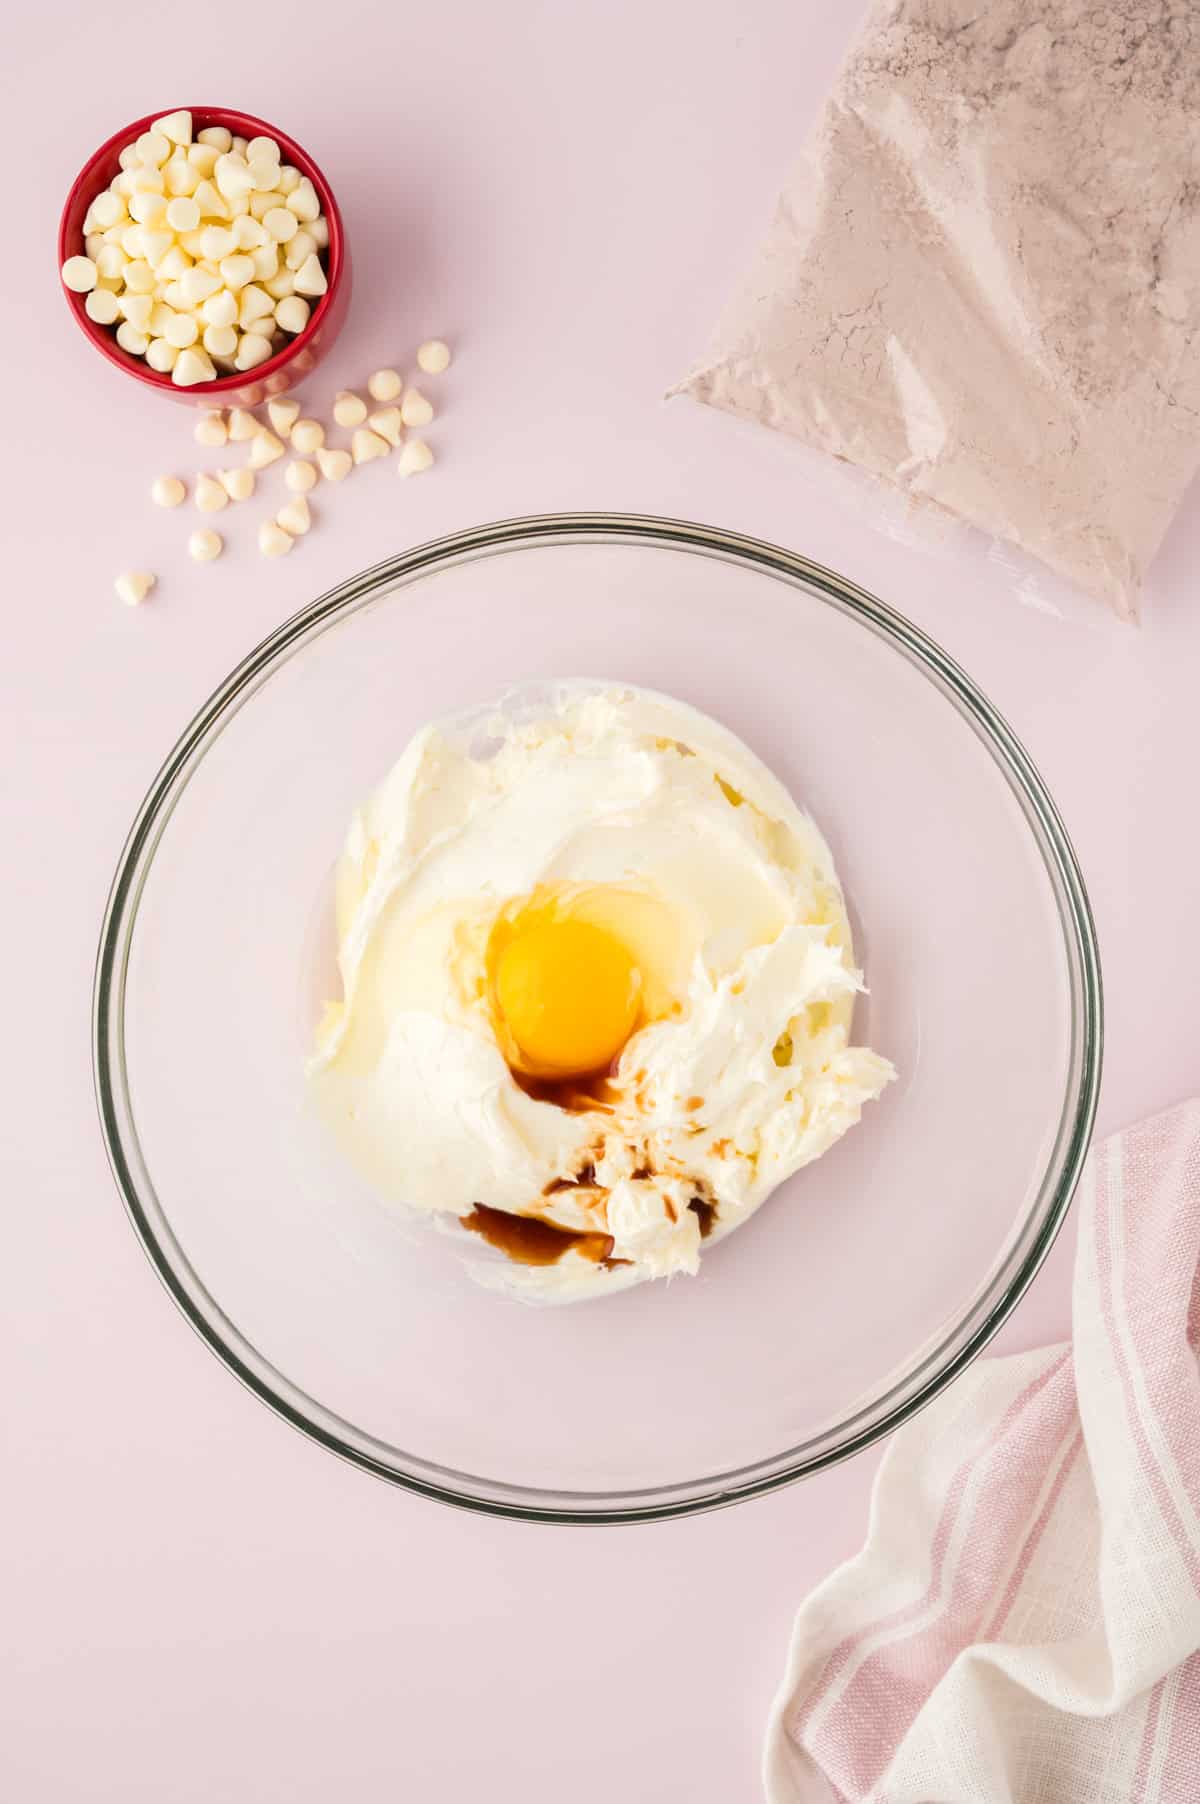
(941, 1362)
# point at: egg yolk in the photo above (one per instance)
(570, 995)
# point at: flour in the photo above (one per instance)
(983, 281)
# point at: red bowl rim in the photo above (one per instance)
(242, 125)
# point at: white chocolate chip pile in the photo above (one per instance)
(204, 254)
(288, 432)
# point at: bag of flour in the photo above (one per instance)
(983, 281)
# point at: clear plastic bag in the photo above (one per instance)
(982, 283)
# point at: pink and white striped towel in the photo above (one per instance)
(1023, 1624)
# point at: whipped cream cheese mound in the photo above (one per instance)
(598, 984)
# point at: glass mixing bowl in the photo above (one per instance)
(859, 1290)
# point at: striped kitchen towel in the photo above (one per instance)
(1023, 1623)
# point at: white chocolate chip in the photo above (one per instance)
(242, 426)
(253, 305)
(237, 270)
(281, 284)
(319, 228)
(283, 415)
(139, 277)
(252, 350)
(220, 309)
(387, 423)
(272, 540)
(433, 356)
(248, 233)
(130, 339)
(175, 127)
(265, 258)
(220, 341)
(281, 224)
(210, 429)
(232, 176)
(133, 586)
(183, 215)
(209, 495)
(108, 209)
(291, 313)
(366, 445)
(181, 330)
(414, 457)
(307, 436)
(193, 365)
(384, 385)
(349, 409)
(300, 476)
(79, 274)
(153, 148)
(175, 265)
(415, 410)
(238, 483)
(265, 448)
(203, 159)
(216, 135)
(148, 209)
(210, 202)
(289, 178)
(334, 465)
(180, 177)
(302, 200)
(205, 544)
(161, 356)
(294, 516)
(300, 249)
(156, 242)
(167, 491)
(103, 306)
(310, 277)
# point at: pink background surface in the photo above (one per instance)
(199, 1603)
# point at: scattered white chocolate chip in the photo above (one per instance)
(79, 274)
(272, 540)
(209, 495)
(414, 457)
(237, 483)
(386, 421)
(334, 465)
(366, 445)
(210, 429)
(433, 356)
(300, 476)
(384, 385)
(205, 544)
(133, 586)
(415, 410)
(283, 415)
(349, 409)
(167, 491)
(265, 448)
(294, 516)
(242, 426)
(308, 436)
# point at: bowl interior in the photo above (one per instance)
(95, 176)
(855, 1286)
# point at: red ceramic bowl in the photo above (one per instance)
(300, 355)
